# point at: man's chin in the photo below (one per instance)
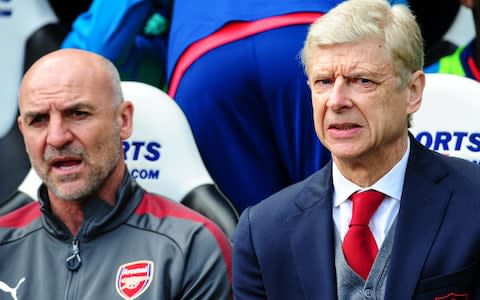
(69, 191)
(346, 153)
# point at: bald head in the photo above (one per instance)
(72, 67)
(73, 120)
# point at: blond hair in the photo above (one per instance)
(358, 20)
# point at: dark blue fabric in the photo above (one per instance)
(194, 20)
(249, 107)
(465, 55)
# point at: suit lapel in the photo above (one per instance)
(422, 208)
(311, 239)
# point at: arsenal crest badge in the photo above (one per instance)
(454, 296)
(134, 278)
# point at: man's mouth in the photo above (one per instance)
(65, 163)
(344, 126)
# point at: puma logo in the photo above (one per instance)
(12, 291)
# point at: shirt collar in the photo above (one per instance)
(391, 184)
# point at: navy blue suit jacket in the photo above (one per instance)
(284, 246)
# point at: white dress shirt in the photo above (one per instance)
(391, 184)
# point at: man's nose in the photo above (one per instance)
(339, 97)
(58, 133)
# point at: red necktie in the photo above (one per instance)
(359, 246)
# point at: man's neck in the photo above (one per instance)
(367, 170)
(69, 212)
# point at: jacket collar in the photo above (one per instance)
(424, 202)
(312, 237)
(100, 217)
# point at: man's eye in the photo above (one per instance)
(78, 114)
(363, 82)
(324, 81)
(38, 120)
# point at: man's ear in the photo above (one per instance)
(125, 115)
(416, 87)
(20, 123)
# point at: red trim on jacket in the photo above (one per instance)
(22, 216)
(162, 208)
(473, 68)
(232, 32)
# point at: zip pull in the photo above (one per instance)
(74, 261)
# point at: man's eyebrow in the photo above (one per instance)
(32, 114)
(76, 106)
(365, 72)
(70, 107)
(375, 76)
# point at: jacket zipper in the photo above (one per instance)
(74, 261)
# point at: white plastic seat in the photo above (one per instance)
(448, 121)
(161, 153)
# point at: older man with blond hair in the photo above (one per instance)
(386, 218)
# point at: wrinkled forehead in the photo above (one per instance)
(360, 56)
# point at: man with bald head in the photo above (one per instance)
(94, 229)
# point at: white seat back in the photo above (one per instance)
(448, 120)
(161, 154)
(30, 184)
